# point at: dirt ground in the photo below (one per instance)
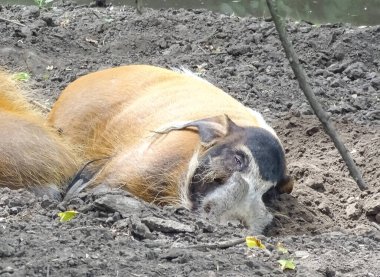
(328, 225)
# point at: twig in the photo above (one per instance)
(221, 245)
(40, 106)
(210, 53)
(321, 114)
(245, 101)
(12, 21)
(204, 51)
(377, 226)
(58, 36)
(95, 13)
(92, 228)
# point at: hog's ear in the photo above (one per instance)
(210, 129)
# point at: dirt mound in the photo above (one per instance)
(328, 225)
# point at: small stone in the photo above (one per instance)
(330, 272)
(7, 269)
(319, 72)
(38, 24)
(166, 225)
(77, 202)
(302, 254)
(305, 109)
(238, 50)
(118, 203)
(139, 229)
(372, 205)
(292, 123)
(48, 19)
(116, 216)
(334, 109)
(14, 210)
(48, 203)
(376, 83)
(360, 103)
(347, 108)
(151, 255)
(377, 218)
(336, 83)
(175, 253)
(6, 250)
(351, 200)
(100, 3)
(336, 68)
(313, 130)
(355, 71)
(162, 43)
(250, 264)
(205, 226)
(353, 211)
(316, 183)
(324, 208)
(26, 32)
(339, 55)
(295, 113)
(31, 12)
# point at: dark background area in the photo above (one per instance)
(363, 12)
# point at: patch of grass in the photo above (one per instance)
(42, 3)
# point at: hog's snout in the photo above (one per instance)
(237, 200)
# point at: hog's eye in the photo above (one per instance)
(239, 162)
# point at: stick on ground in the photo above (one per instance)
(12, 21)
(305, 87)
(220, 245)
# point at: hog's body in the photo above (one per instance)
(172, 138)
(32, 154)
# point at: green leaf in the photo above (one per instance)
(287, 264)
(254, 242)
(22, 76)
(67, 216)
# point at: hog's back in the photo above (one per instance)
(123, 106)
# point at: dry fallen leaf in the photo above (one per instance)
(287, 264)
(67, 216)
(254, 242)
(281, 248)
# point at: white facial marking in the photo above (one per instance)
(184, 186)
(240, 198)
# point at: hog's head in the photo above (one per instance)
(236, 167)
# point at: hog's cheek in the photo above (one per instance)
(225, 198)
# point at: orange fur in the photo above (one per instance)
(32, 155)
(114, 113)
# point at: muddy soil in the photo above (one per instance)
(328, 225)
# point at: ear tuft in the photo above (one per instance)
(211, 129)
(231, 126)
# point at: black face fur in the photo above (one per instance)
(227, 156)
